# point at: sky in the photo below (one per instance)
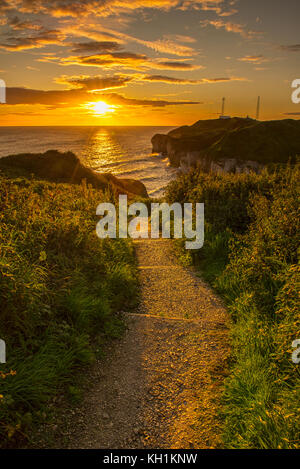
(147, 62)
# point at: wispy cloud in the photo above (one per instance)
(173, 44)
(256, 59)
(176, 65)
(236, 28)
(290, 48)
(167, 45)
(183, 81)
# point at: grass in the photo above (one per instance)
(251, 257)
(60, 287)
(267, 142)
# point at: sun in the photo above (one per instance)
(101, 108)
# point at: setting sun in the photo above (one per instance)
(101, 108)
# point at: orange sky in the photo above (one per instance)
(151, 62)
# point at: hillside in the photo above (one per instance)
(230, 145)
(67, 168)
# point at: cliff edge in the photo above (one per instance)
(230, 145)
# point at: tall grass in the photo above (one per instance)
(251, 256)
(60, 286)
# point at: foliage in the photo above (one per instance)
(60, 285)
(250, 256)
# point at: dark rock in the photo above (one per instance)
(159, 144)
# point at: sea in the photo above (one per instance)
(122, 151)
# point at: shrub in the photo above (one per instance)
(250, 256)
(60, 285)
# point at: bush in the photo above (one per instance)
(250, 256)
(59, 286)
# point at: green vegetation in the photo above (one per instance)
(243, 139)
(60, 286)
(251, 257)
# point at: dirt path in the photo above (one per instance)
(159, 387)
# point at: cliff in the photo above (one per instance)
(67, 168)
(230, 145)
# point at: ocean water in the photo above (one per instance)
(122, 151)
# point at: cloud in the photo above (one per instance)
(183, 81)
(170, 65)
(129, 60)
(167, 45)
(41, 39)
(222, 80)
(256, 59)
(95, 83)
(19, 25)
(65, 98)
(261, 69)
(78, 8)
(231, 12)
(182, 38)
(232, 28)
(291, 48)
(124, 59)
(100, 42)
(95, 46)
(99, 83)
(174, 44)
(4, 5)
(219, 8)
(119, 99)
(50, 97)
(166, 79)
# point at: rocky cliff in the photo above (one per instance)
(230, 145)
(67, 167)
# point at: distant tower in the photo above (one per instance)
(223, 107)
(258, 108)
(222, 116)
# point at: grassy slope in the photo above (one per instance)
(59, 288)
(250, 256)
(244, 139)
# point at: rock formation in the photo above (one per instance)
(230, 145)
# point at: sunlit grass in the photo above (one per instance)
(60, 287)
(250, 255)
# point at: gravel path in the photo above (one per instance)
(160, 385)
